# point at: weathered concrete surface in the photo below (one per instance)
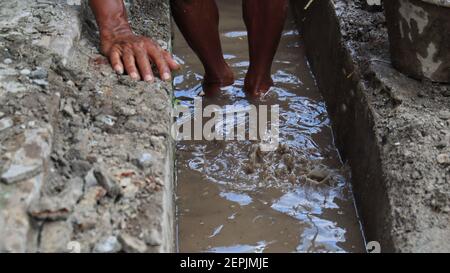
(393, 131)
(417, 45)
(86, 155)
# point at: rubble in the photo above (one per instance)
(68, 125)
(105, 180)
(132, 244)
(29, 159)
(55, 237)
(58, 207)
(108, 244)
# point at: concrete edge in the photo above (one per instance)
(351, 114)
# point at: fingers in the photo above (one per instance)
(116, 62)
(157, 57)
(130, 64)
(135, 58)
(170, 61)
(144, 65)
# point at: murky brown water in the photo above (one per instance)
(234, 198)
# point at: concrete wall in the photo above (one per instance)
(87, 158)
(387, 127)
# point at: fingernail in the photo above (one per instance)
(118, 69)
(148, 78)
(134, 75)
(166, 76)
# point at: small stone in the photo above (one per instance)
(41, 83)
(105, 180)
(25, 72)
(19, 172)
(163, 44)
(31, 124)
(153, 238)
(55, 237)
(90, 180)
(28, 160)
(13, 87)
(132, 244)
(416, 175)
(443, 159)
(85, 215)
(39, 73)
(445, 115)
(108, 244)
(6, 123)
(144, 161)
(68, 109)
(58, 207)
(7, 61)
(106, 119)
(128, 111)
(319, 174)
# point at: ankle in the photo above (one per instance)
(257, 83)
(258, 78)
(221, 74)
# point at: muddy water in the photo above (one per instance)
(232, 197)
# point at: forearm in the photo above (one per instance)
(111, 17)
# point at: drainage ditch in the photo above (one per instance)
(233, 197)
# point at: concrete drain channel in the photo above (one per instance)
(234, 197)
(88, 163)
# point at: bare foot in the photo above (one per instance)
(257, 85)
(213, 81)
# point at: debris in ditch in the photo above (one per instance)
(319, 174)
(256, 155)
